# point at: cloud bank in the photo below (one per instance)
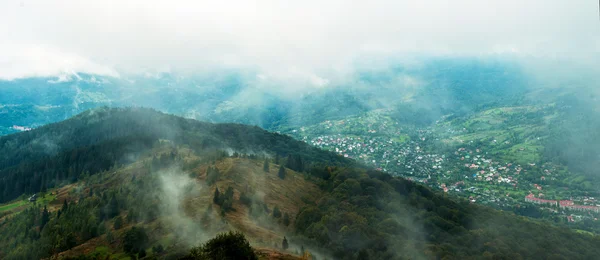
(281, 38)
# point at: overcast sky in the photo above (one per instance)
(45, 37)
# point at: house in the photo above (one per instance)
(531, 198)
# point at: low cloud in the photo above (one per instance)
(175, 188)
(312, 40)
(37, 61)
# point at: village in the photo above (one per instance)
(465, 169)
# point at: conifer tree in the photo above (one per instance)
(281, 172)
(216, 198)
(65, 206)
(276, 212)
(113, 207)
(45, 218)
(284, 244)
(118, 223)
(289, 163)
(266, 166)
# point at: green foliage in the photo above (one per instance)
(361, 213)
(45, 218)
(286, 219)
(295, 163)
(281, 172)
(100, 139)
(118, 223)
(369, 209)
(284, 244)
(217, 196)
(266, 166)
(224, 200)
(276, 212)
(135, 240)
(112, 209)
(212, 175)
(245, 199)
(158, 249)
(224, 246)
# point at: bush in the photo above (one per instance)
(276, 212)
(158, 249)
(118, 223)
(231, 245)
(135, 240)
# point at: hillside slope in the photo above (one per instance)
(162, 199)
(99, 139)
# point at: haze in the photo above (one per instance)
(279, 38)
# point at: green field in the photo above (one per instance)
(13, 205)
(10, 206)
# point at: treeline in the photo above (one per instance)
(94, 210)
(67, 167)
(99, 139)
(371, 213)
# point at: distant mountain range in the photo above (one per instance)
(434, 87)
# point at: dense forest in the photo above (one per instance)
(102, 138)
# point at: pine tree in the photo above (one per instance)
(276, 212)
(363, 255)
(289, 163)
(299, 164)
(286, 219)
(118, 223)
(65, 206)
(212, 175)
(113, 207)
(45, 217)
(109, 236)
(142, 253)
(216, 198)
(284, 244)
(281, 172)
(266, 166)
(43, 184)
(277, 159)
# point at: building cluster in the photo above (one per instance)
(563, 204)
(382, 144)
(531, 198)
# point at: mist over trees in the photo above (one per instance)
(361, 213)
(101, 139)
(232, 245)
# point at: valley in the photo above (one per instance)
(155, 190)
(494, 157)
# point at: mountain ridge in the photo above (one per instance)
(163, 183)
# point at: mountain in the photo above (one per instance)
(434, 86)
(136, 182)
(45, 157)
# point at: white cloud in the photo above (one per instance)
(36, 61)
(301, 37)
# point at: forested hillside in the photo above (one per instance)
(138, 183)
(99, 139)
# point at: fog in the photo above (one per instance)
(309, 41)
